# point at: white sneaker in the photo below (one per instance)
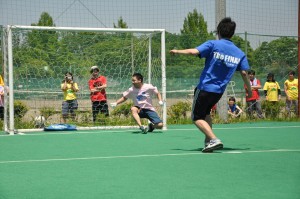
(144, 129)
(213, 145)
(206, 143)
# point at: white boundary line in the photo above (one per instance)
(130, 130)
(72, 132)
(153, 155)
(248, 127)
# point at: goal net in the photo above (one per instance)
(36, 59)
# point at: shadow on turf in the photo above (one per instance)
(139, 132)
(224, 149)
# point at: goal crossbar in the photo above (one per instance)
(9, 65)
(81, 29)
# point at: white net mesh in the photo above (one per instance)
(42, 57)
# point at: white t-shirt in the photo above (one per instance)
(142, 97)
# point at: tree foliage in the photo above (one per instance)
(121, 23)
(194, 31)
(45, 20)
(82, 49)
(241, 43)
(278, 56)
(194, 24)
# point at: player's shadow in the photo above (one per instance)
(224, 149)
(153, 132)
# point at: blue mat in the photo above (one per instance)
(60, 127)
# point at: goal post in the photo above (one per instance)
(36, 59)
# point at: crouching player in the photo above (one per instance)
(141, 95)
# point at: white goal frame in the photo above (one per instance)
(9, 125)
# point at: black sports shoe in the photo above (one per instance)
(150, 127)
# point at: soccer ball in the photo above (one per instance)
(39, 121)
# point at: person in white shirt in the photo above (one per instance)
(141, 95)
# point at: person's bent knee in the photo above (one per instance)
(134, 110)
(195, 119)
(159, 125)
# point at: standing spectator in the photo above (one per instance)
(70, 104)
(223, 58)
(273, 95)
(233, 109)
(253, 103)
(3, 89)
(141, 94)
(291, 91)
(97, 86)
(272, 89)
(213, 111)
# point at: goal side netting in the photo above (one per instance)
(36, 59)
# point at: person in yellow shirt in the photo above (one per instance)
(273, 95)
(272, 89)
(291, 91)
(3, 89)
(1, 81)
(70, 104)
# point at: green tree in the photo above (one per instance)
(172, 42)
(240, 43)
(45, 20)
(121, 23)
(39, 48)
(43, 39)
(278, 56)
(194, 24)
(193, 33)
(194, 30)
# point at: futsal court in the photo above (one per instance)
(260, 160)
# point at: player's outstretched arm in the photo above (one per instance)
(191, 51)
(246, 82)
(160, 101)
(119, 101)
(240, 111)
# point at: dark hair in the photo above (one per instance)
(251, 72)
(68, 73)
(291, 72)
(231, 99)
(226, 28)
(92, 70)
(138, 76)
(270, 75)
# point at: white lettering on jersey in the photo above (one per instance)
(230, 60)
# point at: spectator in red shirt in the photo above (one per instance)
(97, 86)
(253, 103)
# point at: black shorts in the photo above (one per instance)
(203, 103)
(100, 107)
(2, 113)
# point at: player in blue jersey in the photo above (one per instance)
(222, 59)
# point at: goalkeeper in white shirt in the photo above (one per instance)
(141, 95)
